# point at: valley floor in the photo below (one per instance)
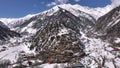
(98, 53)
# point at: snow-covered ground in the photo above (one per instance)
(13, 48)
(117, 40)
(99, 53)
(63, 31)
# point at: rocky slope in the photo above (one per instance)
(60, 33)
(108, 26)
(3, 25)
(6, 33)
(109, 22)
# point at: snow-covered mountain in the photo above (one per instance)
(108, 26)
(13, 22)
(31, 23)
(109, 20)
(6, 33)
(64, 34)
(95, 12)
(59, 33)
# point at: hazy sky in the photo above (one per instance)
(20, 8)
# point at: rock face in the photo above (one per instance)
(108, 26)
(3, 25)
(61, 22)
(110, 23)
(59, 36)
(6, 34)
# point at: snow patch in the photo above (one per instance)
(63, 31)
(29, 28)
(117, 40)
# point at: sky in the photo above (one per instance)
(21, 8)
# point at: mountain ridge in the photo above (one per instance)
(11, 21)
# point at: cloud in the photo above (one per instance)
(115, 3)
(57, 2)
(77, 0)
(61, 1)
(51, 4)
